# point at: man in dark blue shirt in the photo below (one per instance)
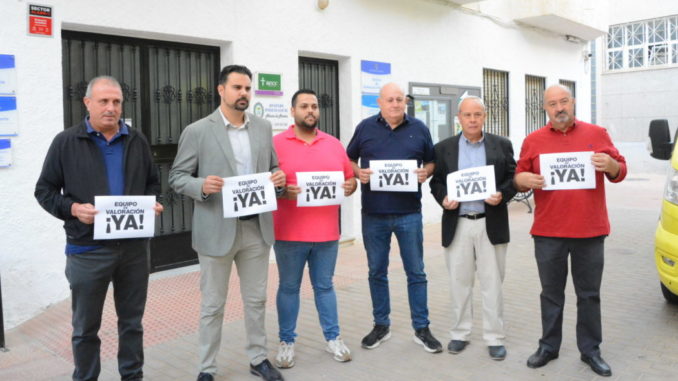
(392, 135)
(101, 156)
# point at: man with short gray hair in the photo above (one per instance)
(475, 234)
(101, 156)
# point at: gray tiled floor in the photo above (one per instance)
(640, 329)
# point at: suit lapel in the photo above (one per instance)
(490, 150)
(221, 135)
(255, 142)
(452, 158)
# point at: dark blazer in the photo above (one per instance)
(498, 152)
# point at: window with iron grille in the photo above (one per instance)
(643, 44)
(496, 98)
(573, 89)
(535, 116)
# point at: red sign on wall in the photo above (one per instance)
(39, 20)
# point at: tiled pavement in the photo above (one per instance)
(640, 329)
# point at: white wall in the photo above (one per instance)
(625, 11)
(423, 40)
(629, 99)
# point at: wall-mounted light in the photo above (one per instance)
(322, 4)
(574, 39)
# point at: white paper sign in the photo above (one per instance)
(248, 194)
(471, 184)
(394, 176)
(567, 170)
(124, 217)
(320, 188)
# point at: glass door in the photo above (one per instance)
(436, 114)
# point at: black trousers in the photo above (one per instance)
(586, 256)
(89, 274)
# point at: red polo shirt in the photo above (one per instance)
(324, 153)
(575, 213)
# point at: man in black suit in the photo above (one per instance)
(475, 233)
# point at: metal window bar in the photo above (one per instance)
(535, 116)
(496, 98)
(2, 324)
(572, 85)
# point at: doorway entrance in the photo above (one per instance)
(436, 105)
(166, 86)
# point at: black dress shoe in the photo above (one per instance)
(205, 377)
(597, 364)
(540, 358)
(266, 371)
(456, 346)
(497, 352)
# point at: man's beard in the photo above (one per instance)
(239, 107)
(563, 117)
(306, 126)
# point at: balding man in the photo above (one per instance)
(570, 222)
(392, 135)
(475, 233)
(101, 156)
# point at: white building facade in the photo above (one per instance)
(638, 75)
(508, 51)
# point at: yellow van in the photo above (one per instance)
(666, 236)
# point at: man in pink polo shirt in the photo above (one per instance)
(308, 234)
(569, 222)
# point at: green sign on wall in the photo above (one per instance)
(269, 84)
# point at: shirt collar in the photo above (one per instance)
(479, 142)
(569, 129)
(289, 134)
(122, 129)
(406, 119)
(230, 125)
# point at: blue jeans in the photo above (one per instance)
(292, 257)
(377, 230)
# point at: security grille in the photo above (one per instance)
(166, 86)
(496, 98)
(573, 89)
(535, 116)
(322, 76)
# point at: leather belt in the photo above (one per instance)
(245, 218)
(476, 216)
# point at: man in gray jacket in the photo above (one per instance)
(229, 142)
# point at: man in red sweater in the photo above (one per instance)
(570, 222)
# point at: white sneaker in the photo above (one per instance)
(285, 357)
(338, 349)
